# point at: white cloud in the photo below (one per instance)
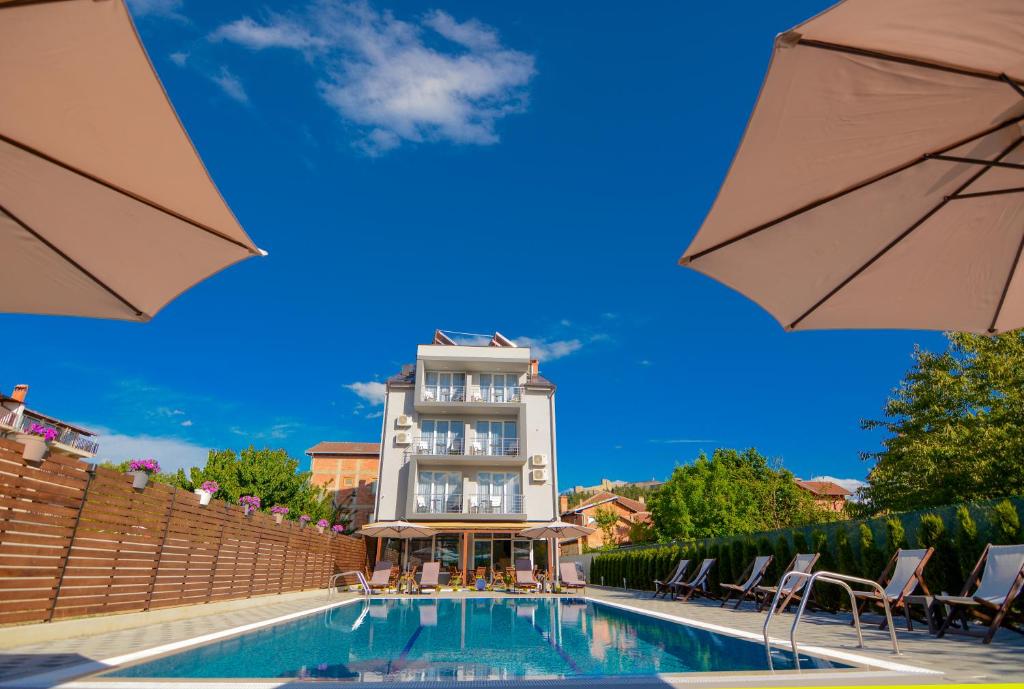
(549, 350)
(375, 415)
(437, 79)
(179, 58)
(186, 423)
(172, 453)
(683, 441)
(157, 8)
(371, 391)
(850, 484)
(230, 84)
(645, 362)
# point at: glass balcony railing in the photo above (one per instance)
(473, 503)
(496, 394)
(65, 436)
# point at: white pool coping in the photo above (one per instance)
(63, 678)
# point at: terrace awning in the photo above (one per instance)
(880, 181)
(106, 209)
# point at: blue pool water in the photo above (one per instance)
(467, 639)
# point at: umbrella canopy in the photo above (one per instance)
(396, 529)
(880, 181)
(106, 209)
(557, 529)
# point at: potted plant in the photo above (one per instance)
(279, 511)
(322, 524)
(338, 528)
(141, 470)
(206, 491)
(36, 439)
(249, 503)
(303, 520)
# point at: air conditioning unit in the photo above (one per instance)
(539, 475)
(403, 421)
(403, 438)
(539, 461)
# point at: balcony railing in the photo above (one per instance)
(438, 445)
(473, 503)
(495, 447)
(66, 436)
(9, 419)
(483, 447)
(494, 394)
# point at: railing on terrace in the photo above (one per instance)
(485, 447)
(438, 445)
(9, 418)
(472, 503)
(493, 394)
(66, 437)
(495, 447)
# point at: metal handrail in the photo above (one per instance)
(828, 578)
(359, 575)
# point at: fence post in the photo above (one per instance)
(255, 561)
(91, 471)
(163, 546)
(216, 558)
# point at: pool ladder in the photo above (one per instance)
(828, 578)
(363, 584)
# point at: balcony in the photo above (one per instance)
(476, 504)
(440, 446)
(68, 439)
(501, 399)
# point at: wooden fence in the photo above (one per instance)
(77, 540)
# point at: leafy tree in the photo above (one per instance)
(895, 536)
(730, 493)
(844, 553)
(606, 520)
(642, 532)
(954, 427)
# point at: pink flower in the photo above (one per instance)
(305, 518)
(337, 528)
(150, 466)
(210, 487)
(323, 523)
(250, 501)
(279, 509)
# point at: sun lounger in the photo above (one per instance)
(997, 580)
(901, 577)
(381, 578)
(524, 578)
(802, 562)
(754, 573)
(698, 583)
(570, 576)
(664, 587)
(429, 577)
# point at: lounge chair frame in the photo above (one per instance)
(898, 601)
(765, 594)
(678, 574)
(960, 608)
(698, 583)
(751, 577)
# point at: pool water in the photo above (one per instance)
(468, 639)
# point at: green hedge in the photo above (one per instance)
(860, 547)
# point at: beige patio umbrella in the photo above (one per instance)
(106, 209)
(555, 531)
(880, 181)
(397, 529)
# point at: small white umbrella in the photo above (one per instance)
(396, 529)
(554, 531)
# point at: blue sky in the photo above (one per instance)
(532, 167)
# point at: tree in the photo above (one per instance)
(955, 427)
(731, 493)
(606, 520)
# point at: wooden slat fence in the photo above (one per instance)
(78, 540)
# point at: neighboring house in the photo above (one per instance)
(349, 470)
(828, 495)
(629, 511)
(612, 485)
(468, 447)
(16, 418)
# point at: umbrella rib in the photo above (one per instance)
(903, 235)
(74, 263)
(848, 190)
(1006, 286)
(124, 192)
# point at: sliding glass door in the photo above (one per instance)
(442, 386)
(497, 438)
(439, 492)
(499, 387)
(442, 437)
(500, 493)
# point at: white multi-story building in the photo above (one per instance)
(468, 447)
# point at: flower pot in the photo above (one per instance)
(141, 478)
(204, 496)
(278, 518)
(35, 447)
(248, 509)
(320, 529)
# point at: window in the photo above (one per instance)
(347, 481)
(499, 492)
(442, 437)
(499, 387)
(439, 492)
(496, 438)
(444, 387)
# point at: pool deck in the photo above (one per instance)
(60, 651)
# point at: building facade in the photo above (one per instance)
(16, 418)
(468, 447)
(348, 470)
(827, 495)
(629, 512)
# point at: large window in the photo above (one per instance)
(442, 437)
(439, 492)
(498, 387)
(496, 438)
(499, 493)
(444, 387)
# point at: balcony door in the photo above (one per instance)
(500, 493)
(442, 437)
(444, 387)
(497, 438)
(439, 492)
(499, 387)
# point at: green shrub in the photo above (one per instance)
(846, 561)
(967, 546)
(943, 570)
(715, 575)
(827, 595)
(738, 556)
(783, 555)
(1005, 524)
(800, 544)
(764, 547)
(896, 536)
(871, 561)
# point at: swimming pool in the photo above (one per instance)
(467, 639)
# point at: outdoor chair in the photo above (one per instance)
(524, 578)
(802, 562)
(754, 573)
(429, 577)
(664, 587)
(901, 577)
(570, 576)
(698, 583)
(381, 578)
(997, 580)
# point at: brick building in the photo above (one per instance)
(828, 495)
(630, 512)
(350, 471)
